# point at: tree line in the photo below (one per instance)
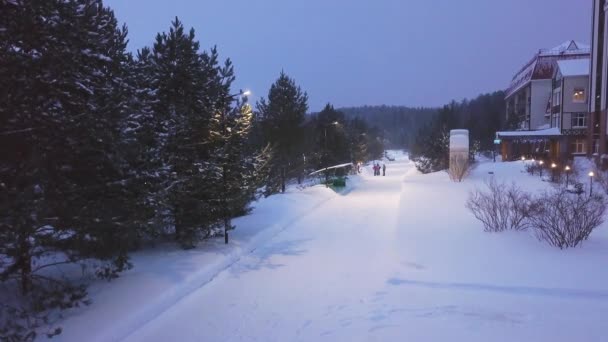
(482, 116)
(103, 150)
(398, 124)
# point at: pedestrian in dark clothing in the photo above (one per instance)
(383, 169)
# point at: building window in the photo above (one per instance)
(556, 121)
(578, 146)
(579, 96)
(557, 98)
(579, 120)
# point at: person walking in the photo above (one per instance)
(383, 169)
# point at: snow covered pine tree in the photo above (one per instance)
(62, 198)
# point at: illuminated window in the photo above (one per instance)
(579, 96)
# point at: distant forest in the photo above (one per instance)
(399, 124)
(406, 127)
(482, 116)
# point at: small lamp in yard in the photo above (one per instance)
(541, 163)
(523, 158)
(591, 174)
(553, 166)
(567, 170)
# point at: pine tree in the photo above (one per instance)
(180, 77)
(238, 170)
(332, 138)
(62, 175)
(282, 118)
(357, 136)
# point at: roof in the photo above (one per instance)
(568, 47)
(574, 67)
(541, 66)
(539, 133)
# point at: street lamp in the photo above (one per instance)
(553, 166)
(241, 93)
(541, 163)
(523, 158)
(567, 170)
(591, 174)
(335, 123)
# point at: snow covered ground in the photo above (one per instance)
(397, 258)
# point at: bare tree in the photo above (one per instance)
(502, 207)
(459, 166)
(565, 220)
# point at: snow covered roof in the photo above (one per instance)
(541, 66)
(568, 47)
(574, 67)
(538, 133)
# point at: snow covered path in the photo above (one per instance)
(399, 258)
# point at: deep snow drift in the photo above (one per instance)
(397, 258)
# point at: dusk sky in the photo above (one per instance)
(355, 52)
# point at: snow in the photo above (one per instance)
(459, 140)
(574, 67)
(398, 258)
(538, 133)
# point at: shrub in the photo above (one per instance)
(459, 166)
(502, 207)
(532, 168)
(564, 220)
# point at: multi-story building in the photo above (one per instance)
(529, 104)
(530, 89)
(569, 108)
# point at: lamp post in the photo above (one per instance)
(241, 94)
(567, 170)
(591, 174)
(541, 163)
(335, 123)
(523, 159)
(553, 166)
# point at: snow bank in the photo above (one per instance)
(164, 275)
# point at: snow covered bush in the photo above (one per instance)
(501, 207)
(564, 220)
(601, 178)
(532, 168)
(24, 318)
